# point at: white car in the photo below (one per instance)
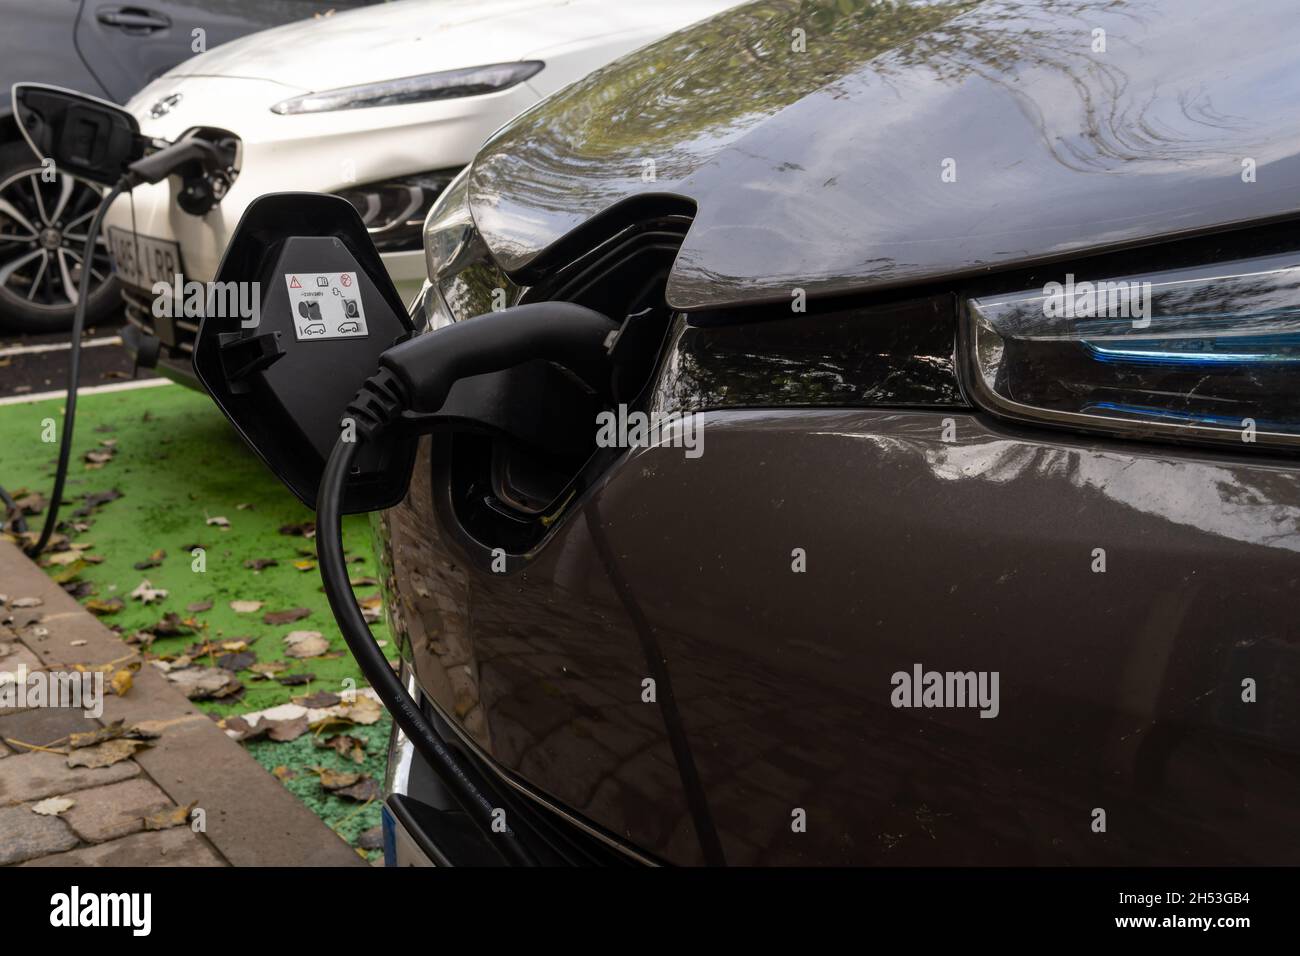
(382, 105)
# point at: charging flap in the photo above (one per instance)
(292, 326)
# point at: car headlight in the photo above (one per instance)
(394, 210)
(444, 85)
(1210, 352)
(464, 279)
(448, 227)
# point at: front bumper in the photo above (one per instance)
(423, 826)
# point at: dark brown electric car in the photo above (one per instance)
(939, 502)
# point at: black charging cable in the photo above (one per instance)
(74, 373)
(204, 160)
(412, 383)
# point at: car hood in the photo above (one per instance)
(893, 144)
(390, 40)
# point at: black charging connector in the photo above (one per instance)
(405, 394)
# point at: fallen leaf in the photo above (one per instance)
(257, 564)
(286, 617)
(146, 593)
(363, 582)
(152, 561)
(32, 503)
(53, 806)
(238, 728)
(117, 729)
(171, 625)
(62, 558)
(198, 606)
(245, 607)
(98, 458)
(70, 573)
(103, 608)
(303, 644)
(106, 754)
(336, 779)
(283, 773)
(219, 521)
(295, 680)
(363, 710)
(372, 839)
(121, 681)
(141, 638)
(318, 700)
(305, 565)
(171, 817)
(26, 602)
(345, 745)
(237, 661)
(205, 683)
(306, 529)
(286, 730)
(363, 791)
(93, 500)
(268, 668)
(80, 589)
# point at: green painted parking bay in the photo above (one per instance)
(157, 473)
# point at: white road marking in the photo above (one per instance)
(58, 346)
(87, 390)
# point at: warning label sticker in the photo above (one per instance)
(326, 305)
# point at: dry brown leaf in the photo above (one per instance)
(286, 730)
(106, 754)
(168, 818)
(286, 617)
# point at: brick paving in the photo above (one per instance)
(248, 818)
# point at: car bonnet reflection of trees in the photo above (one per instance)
(680, 100)
(813, 168)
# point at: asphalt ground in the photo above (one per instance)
(34, 364)
(174, 464)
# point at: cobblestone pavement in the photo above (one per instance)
(248, 818)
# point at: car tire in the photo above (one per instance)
(37, 273)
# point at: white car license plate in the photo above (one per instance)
(142, 260)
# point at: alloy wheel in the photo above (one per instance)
(43, 229)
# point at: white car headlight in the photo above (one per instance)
(444, 85)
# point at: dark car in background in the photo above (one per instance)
(108, 50)
(989, 313)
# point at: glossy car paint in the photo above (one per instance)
(823, 169)
(940, 537)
